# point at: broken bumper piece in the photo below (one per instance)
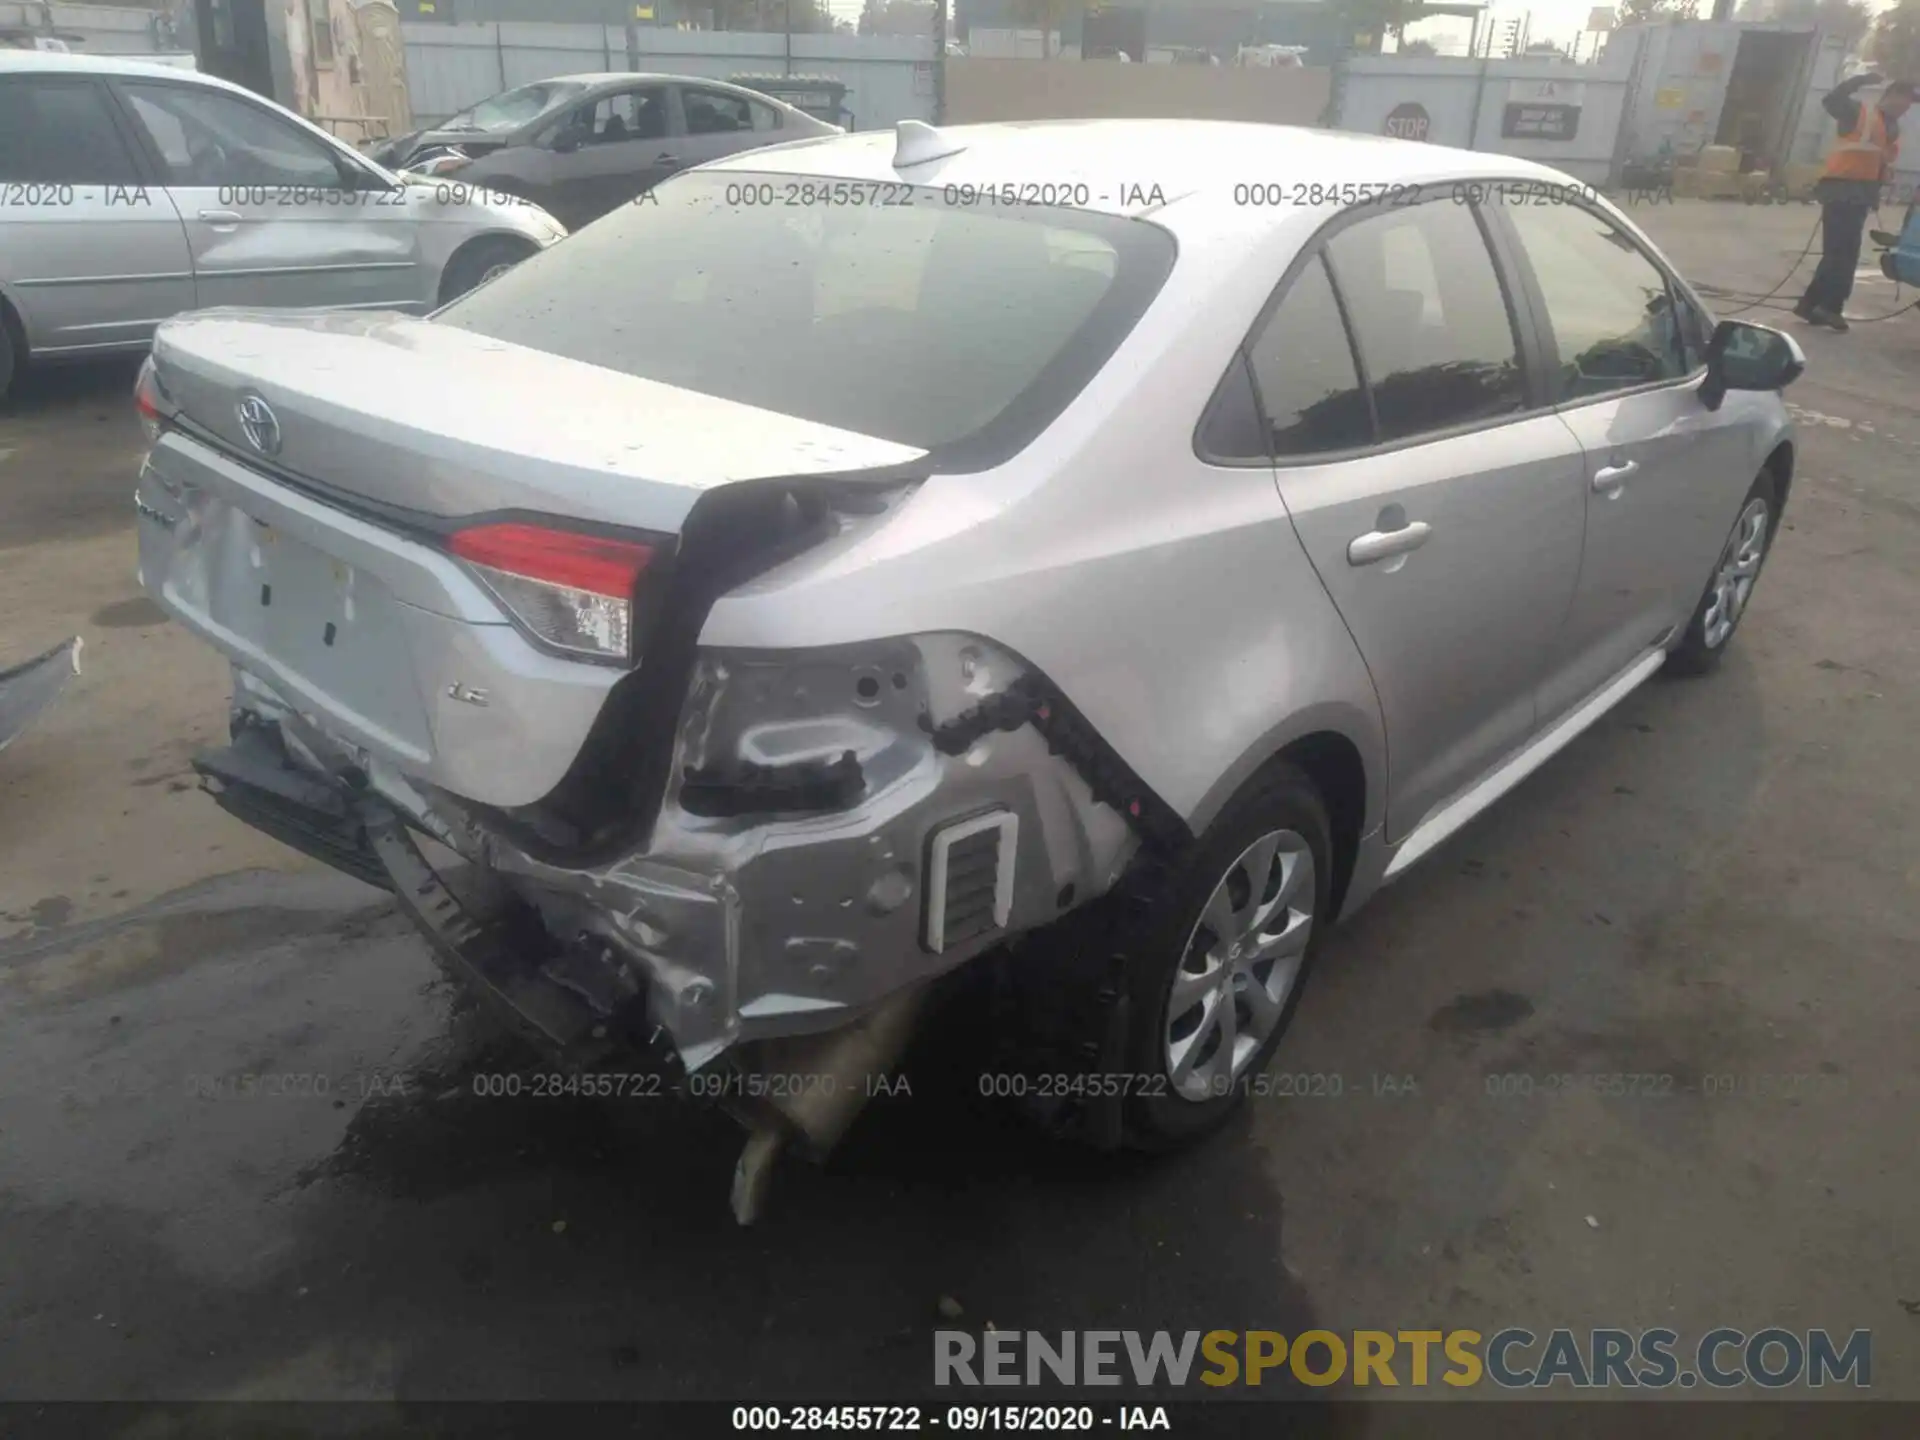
(498, 953)
(841, 827)
(254, 781)
(28, 689)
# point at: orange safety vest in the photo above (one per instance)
(1864, 152)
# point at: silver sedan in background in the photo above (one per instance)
(130, 192)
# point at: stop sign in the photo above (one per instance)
(1408, 121)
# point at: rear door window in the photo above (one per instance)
(629, 115)
(715, 112)
(1614, 319)
(60, 132)
(1435, 336)
(1303, 369)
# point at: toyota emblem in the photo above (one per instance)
(260, 425)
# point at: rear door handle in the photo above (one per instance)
(1612, 477)
(227, 218)
(1377, 545)
(667, 161)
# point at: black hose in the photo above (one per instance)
(1767, 302)
(1798, 261)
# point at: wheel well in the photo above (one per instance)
(1780, 462)
(497, 238)
(1332, 762)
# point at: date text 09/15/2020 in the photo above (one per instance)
(953, 1419)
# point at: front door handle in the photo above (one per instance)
(667, 161)
(1378, 545)
(227, 218)
(1609, 478)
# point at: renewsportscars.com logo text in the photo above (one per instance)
(1514, 1358)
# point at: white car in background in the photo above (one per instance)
(131, 191)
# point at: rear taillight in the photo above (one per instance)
(151, 402)
(571, 591)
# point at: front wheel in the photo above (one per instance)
(1217, 970)
(480, 262)
(1730, 587)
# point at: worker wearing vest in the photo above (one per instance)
(1860, 162)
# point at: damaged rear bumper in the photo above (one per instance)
(490, 949)
(953, 818)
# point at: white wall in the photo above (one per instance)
(992, 43)
(1466, 101)
(105, 29)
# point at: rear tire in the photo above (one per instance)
(1730, 586)
(479, 262)
(1216, 968)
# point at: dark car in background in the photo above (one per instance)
(579, 145)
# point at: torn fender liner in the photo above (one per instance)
(26, 690)
(1069, 1016)
(1032, 700)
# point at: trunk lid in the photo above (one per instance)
(448, 423)
(374, 630)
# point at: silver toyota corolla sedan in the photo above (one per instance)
(1106, 552)
(130, 192)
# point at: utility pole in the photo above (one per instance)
(939, 62)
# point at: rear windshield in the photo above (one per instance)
(951, 327)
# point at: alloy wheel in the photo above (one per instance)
(1739, 567)
(1240, 965)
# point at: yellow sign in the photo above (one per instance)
(643, 12)
(1670, 99)
(426, 7)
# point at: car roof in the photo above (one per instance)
(592, 81)
(70, 63)
(1134, 167)
(625, 77)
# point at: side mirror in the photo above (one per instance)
(570, 139)
(1749, 357)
